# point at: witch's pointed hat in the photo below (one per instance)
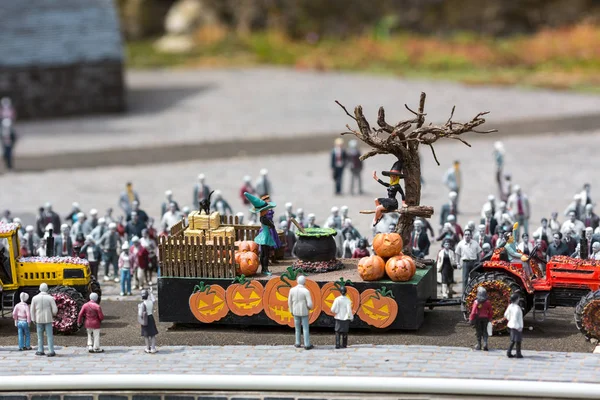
(258, 204)
(395, 171)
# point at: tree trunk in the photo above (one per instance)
(412, 187)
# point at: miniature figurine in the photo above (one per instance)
(524, 246)
(584, 247)
(482, 237)
(557, 247)
(146, 320)
(151, 247)
(204, 204)
(456, 227)
(50, 216)
(300, 303)
(41, 250)
(449, 235)
(543, 232)
(311, 221)
(127, 198)
(589, 218)
(72, 216)
(9, 138)
(344, 212)
(220, 205)
(263, 184)
(109, 243)
(91, 251)
(334, 220)
(499, 158)
(139, 256)
(40, 223)
(508, 187)
(338, 163)
(7, 111)
(485, 249)
(490, 204)
(514, 255)
(349, 228)
(22, 317)
(23, 250)
(43, 311)
(165, 206)
(342, 307)
(391, 228)
(362, 249)
(201, 190)
(6, 216)
(389, 203)
(77, 227)
(290, 238)
(99, 230)
(514, 315)
(449, 208)
(135, 226)
(108, 216)
(135, 208)
(572, 224)
(171, 217)
(287, 217)
(63, 245)
(452, 179)
(481, 314)
(419, 240)
(356, 166)
(595, 251)
(33, 240)
(348, 245)
(92, 313)
(501, 210)
(300, 218)
(125, 269)
(446, 264)
(91, 223)
(264, 238)
(467, 254)
(575, 206)
(554, 224)
(247, 187)
(426, 226)
(518, 203)
(585, 195)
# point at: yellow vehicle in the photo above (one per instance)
(68, 275)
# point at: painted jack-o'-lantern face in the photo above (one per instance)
(378, 307)
(275, 300)
(387, 244)
(244, 298)
(207, 303)
(331, 290)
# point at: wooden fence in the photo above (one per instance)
(192, 257)
(178, 228)
(242, 232)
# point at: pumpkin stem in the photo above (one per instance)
(385, 293)
(201, 287)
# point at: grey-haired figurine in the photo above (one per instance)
(146, 320)
(300, 303)
(91, 312)
(514, 315)
(43, 311)
(342, 307)
(22, 317)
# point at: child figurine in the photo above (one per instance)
(146, 319)
(264, 238)
(514, 315)
(389, 203)
(342, 307)
(481, 314)
(361, 251)
(92, 312)
(22, 318)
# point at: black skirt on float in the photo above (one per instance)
(447, 271)
(388, 203)
(342, 326)
(150, 329)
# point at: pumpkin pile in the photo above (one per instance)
(246, 258)
(388, 259)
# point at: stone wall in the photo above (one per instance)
(51, 91)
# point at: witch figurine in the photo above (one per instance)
(387, 204)
(273, 231)
(264, 238)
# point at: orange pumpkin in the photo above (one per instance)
(387, 244)
(378, 308)
(275, 299)
(207, 303)
(248, 245)
(331, 290)
(246, 263)
(371, 268)
(244, 297)
(400, 268)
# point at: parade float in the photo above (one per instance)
(209, 269)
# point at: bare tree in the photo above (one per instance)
(403, 140)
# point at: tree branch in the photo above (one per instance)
(344, 108)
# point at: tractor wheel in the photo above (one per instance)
(587, 315)
(500, 287)
(69, 302)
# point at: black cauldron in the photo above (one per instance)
(317, 244)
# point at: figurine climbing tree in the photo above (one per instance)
(403, 140)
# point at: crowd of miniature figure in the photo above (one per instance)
(125, 246)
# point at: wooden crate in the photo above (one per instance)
(203, 221)
(224, 232)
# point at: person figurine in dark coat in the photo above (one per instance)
(389, 203)
(356, 166)
(290, 238)
(135, 226)
(557, 247)
(9, 138)
(51, 217)
(419, 240)
(338, 163)
(481, 314)
(264, 238)
(342, 307)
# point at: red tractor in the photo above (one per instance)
(567, 282)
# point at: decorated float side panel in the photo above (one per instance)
(381, 304)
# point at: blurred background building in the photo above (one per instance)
(61, 57)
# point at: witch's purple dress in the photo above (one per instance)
(273, 231)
